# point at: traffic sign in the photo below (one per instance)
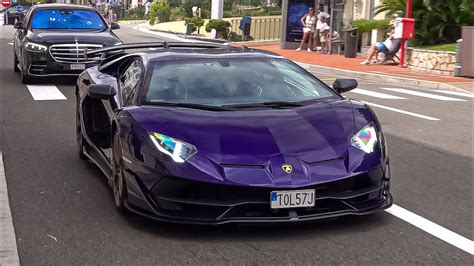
(6, 3)
(19, 9)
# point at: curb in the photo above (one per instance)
(188, 37)
(380, 77)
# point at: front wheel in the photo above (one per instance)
(15, 63)
(25, 78)
(118, 180)
(79, 136)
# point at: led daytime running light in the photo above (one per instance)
(179, 151)
(365, 139)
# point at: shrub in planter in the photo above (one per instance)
(195, 22)
(221, 27)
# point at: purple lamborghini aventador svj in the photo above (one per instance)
(210, 134)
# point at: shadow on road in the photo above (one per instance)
(264, 232)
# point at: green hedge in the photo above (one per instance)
(160, 12)
(365, 25)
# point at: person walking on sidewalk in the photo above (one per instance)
(309, 27)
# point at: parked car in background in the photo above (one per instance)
(52, 38)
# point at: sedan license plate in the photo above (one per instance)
(292, 199)
(78, 66)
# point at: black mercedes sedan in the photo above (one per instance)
(52, 40)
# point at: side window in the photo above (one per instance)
(130, 79)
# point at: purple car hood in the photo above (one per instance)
(242, 144)
(318, 127)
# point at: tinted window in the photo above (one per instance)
(232, 81)
(67, 19)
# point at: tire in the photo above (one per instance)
(25, 78)
(118, 180)
(15, 63)
(79, 136)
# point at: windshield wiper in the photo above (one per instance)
(193, 106)
(276, 104)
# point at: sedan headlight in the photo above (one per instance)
(34, 47)
(365, 139)
(178, 150)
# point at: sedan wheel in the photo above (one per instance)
(118, 182)
(15, 63)
(79, 137)
(25, 78)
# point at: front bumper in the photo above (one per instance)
(42, 65)
(178, 200)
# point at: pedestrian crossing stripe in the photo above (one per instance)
(457, 93)
(425, 95)
(377, 94)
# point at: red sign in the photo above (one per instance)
(6, 3)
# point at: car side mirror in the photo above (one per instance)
(102, 92)
(18, 25)
(344, 85)
(114, 26)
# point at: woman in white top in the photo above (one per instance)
(309, 26)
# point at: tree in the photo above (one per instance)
(436, 21)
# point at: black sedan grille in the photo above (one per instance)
(73, 53)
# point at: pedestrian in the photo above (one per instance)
(320, 24)
(387, 46)
(309, 26)
(324, 39)
(147, 8)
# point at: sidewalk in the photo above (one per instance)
(390, 73)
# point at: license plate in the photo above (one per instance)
(292, 199)
(78, 66)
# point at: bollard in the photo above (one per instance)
(457, 64)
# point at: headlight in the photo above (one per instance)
(34, 47)
(365, 139)
(178, 150)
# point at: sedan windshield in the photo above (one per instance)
(238, 82)
(67, 19)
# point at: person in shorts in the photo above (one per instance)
(385, 47)
(309, 26)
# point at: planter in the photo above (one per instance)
(435, 62)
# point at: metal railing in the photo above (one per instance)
(261, 29)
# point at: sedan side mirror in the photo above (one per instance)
(344, 85)
(18, 25)
(114, 26)
(102, 92)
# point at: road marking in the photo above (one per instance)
(377, 94)
(45, 92)
(8, 248)
(424, 94)
(457, 93)
(402, 111)
(432, 228)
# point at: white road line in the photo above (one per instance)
(457, 93)
(426, 95)
(377, 94)
(45, 92)
(402, 111)
(432, 228)
(8, 248)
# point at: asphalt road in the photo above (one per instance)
(63, 210)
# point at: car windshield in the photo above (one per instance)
(67, 19)
(227, 82)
